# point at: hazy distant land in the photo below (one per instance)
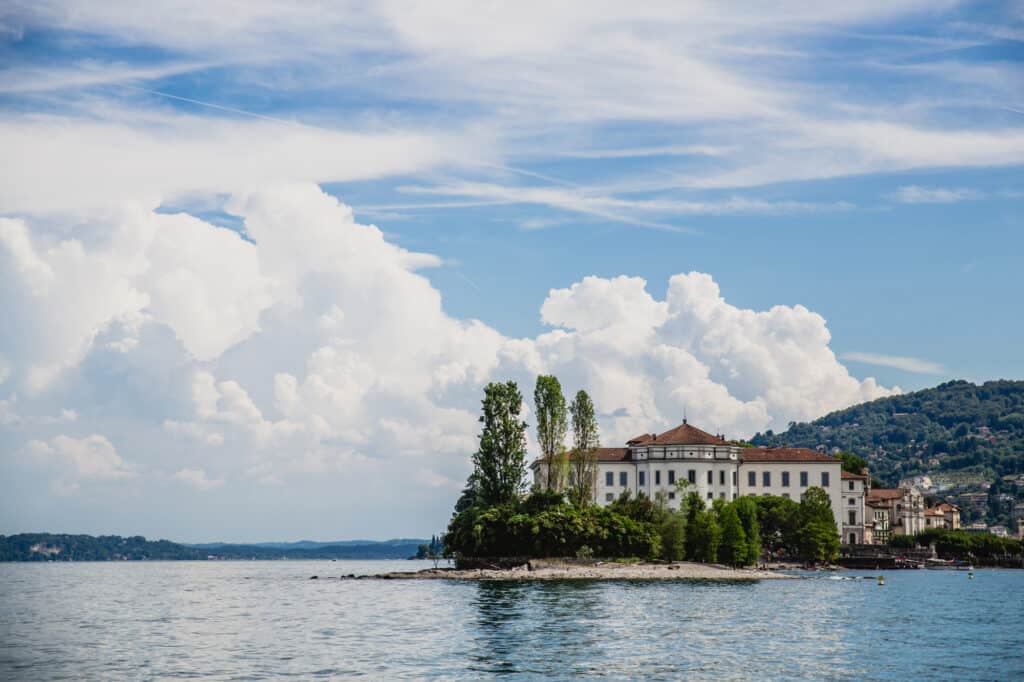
(62, 547)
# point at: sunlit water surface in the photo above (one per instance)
(257, 620)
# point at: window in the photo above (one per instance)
(640, 478)
(711, 477)
(752, 478)
(853, 518)
(623, 478)
(786, 495)
(824, 479)
(609, 478)
(671, 476)
(766, 478)
(722, 495)
(851, 485)
(735, 476)
(803, 479)
(721, 477)
(711, 495)
(785, 479)
(671, 496)
(608, 497)
(691, 475)
(853, 500)
(657, 477)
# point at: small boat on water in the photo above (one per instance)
(947, 565)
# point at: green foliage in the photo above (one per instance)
(585, 441)
(550, 527)
(733, 548)
(956, 544)
(853, 463)
(746, 510)
(706, 534)
(57, 547)
(552, 424)
(956, 428)
(817, 536)
(692, 506)
(779, 519)
(673, 536)
(500, 461)
(903, 541)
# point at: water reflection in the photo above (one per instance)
(520, 625)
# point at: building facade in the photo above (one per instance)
(855, 521)
(903, 511)
(711, 466)
(944, 516)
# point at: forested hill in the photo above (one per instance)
(59, 547)
(962, 435)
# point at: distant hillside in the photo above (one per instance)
(966, 437)
(57, 547)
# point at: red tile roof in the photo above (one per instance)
(879, 494)
(684, 434)
(612, 454)
(850, 474)
(784, 455)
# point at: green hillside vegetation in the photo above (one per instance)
(966, 437)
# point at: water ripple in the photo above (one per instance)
(263, 620)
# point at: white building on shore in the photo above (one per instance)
(713, 467)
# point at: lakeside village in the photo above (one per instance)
(686, 494)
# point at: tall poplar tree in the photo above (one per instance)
(746, 508)
(500, 460)
(585, 442)
(552, 423)
(733, 548)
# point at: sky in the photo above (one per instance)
(259, 259)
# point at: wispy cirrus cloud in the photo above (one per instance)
(596, 202)
(914, 194)
(905, 363)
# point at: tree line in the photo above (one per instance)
(497, 517)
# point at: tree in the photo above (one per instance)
(817, 537)
(552, 423)
(673, 536)
(733, 549)
(853, 463)
(746, 509)
(778, 518)
(500, 460)
(693, 507)
(707, 536)
(585, 441)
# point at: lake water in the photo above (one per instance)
(259, 620)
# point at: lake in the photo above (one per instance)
(261, 620)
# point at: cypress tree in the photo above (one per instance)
(500, 460)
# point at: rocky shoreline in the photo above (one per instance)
(563, 570)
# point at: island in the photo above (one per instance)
(681, 504)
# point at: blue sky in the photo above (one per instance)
(823, 205)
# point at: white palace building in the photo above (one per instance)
(717, 469)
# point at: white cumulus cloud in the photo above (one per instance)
(197, 479)
(89, 457)
(318, 349)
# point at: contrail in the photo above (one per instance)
(220, 107)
